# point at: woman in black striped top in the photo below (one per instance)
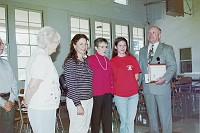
(78, 77)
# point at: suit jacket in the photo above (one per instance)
(166, 54)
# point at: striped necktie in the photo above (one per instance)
(151, 54)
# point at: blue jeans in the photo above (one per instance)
(127, 108)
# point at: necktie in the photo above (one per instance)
(151, 53)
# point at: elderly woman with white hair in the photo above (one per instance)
(42, 92)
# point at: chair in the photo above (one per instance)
(59, 123)
(196, 85)
(184, 84)
(23, 113)
(115, 117)
(180, 88)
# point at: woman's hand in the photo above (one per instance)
(24, 103)
(80, 110)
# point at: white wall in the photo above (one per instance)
(56, 14)
(182, 32)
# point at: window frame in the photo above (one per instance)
(28, 45)
(185, 60)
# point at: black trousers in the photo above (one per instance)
(102, 112)
(6, 120)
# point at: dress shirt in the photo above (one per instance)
(8, 83)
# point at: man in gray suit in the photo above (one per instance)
(158, 95)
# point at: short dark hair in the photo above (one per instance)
(99, 40)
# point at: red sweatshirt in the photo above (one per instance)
(124, 70)
(101, 80)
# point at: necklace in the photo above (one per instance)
(100, 63)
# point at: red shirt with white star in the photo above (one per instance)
(124, 70)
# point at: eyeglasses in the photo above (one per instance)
(1, 43)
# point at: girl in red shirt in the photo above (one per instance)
(125, 70)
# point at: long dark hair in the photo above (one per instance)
(117, 40)
(72, 53)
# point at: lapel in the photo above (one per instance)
(158, 52)
(145, 53)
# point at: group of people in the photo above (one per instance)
(92, 82)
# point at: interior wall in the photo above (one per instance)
(56, 13)
(181, 32)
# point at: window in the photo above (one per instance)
(122, 31)
(123, 2)
(103, 30)
(79, 25)
(186, 60)
(27, 24)
(138, 41)
(3, 31)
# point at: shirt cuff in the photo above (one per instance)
(12, 97)
(2, 102)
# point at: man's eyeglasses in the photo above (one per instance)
(1, 43)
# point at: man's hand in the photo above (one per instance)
(80, 110)
(8, 106)
(160, 81)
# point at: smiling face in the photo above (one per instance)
(1, 46)
(81, 47)
(154, 35)
(121, 48)
(102, 48)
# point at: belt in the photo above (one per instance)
(4, 94)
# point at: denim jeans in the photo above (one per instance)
(127, 108)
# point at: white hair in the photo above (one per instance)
(47, 36)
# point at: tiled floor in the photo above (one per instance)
(185, 116)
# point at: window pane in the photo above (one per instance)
(74, 22)
(22, 61)
(21, 15)
(21, 74)
(35, 17)
(140, 32)
(84, 24)
(125, 29)
(2, 13)
(118, 29)
(186, 66)
(22, 38)
(3, 36)
(106, 27)
(83, 31)
(23, 50)
(138, 41)
(33, 39)
(124, 2)
(21, 27)
(98, 26)
(185, 54)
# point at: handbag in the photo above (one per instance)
(62, 82)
